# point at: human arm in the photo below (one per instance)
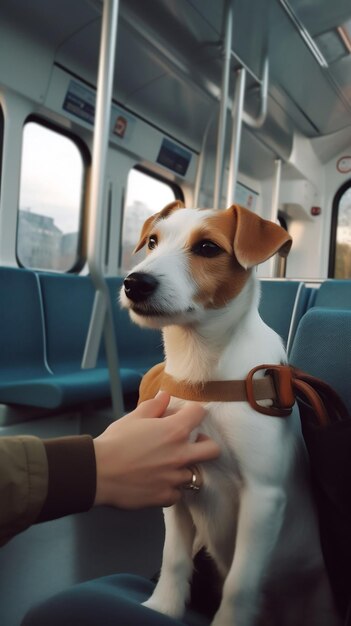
(44, 479)
(23, 483)
(140, 460)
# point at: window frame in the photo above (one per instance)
(82, 223)
(334, 226)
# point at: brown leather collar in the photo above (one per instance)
(275, 386)
(281, 384)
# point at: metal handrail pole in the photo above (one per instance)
(101, 319)
(201, 161)
(223, 105)
(101, 137)
(278, 264)
(257, 122)
(276, 188)
(95, 330)
(237, 116)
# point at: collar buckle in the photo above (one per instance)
(282, 379)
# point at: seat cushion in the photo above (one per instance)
(109, 601)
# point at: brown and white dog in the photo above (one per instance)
(254, 512)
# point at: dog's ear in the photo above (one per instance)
(146, 229)
(256, 239)
(169, 208)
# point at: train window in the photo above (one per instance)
(340, 243)
(50, 199)
(145, 194)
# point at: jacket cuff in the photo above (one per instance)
(72, 476)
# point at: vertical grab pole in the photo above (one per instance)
(223, 104)
(102, 316)
(278, 263)
(276, 188)
(237, 115)
(200, 163)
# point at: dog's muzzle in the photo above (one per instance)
(139, 286)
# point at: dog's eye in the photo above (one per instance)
(152, 242)
(206, 248)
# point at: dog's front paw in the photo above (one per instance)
(172, 607)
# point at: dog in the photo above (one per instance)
(254, 513)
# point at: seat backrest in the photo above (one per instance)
(281, 305)
(67, 303)
(322, 347)
(334, 294)
(21, 322)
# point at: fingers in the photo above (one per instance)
(202, 437)
(195, 478)
(153, 408)
(179, 427)
(182, 480)
(203, 450)
(184, 422)
(185, 476)
(188, 417)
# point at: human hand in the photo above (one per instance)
(143, 459)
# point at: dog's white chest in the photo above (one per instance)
(214, 509)
(256, 450)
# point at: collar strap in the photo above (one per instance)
(275, 385)
(281, 384)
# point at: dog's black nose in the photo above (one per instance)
(138, 286)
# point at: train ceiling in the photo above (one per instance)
(169, 54)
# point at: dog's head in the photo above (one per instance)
(197, 260)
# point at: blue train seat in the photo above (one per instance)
(322, 348)
(44, 320)
(110, 600)
(282, 305)
(67, 305)
(23, 372)
(333, 294)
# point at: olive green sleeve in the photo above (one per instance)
(41, 480)
(23, 483)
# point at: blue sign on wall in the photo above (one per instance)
(174, 157)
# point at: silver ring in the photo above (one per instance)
(192, 485)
